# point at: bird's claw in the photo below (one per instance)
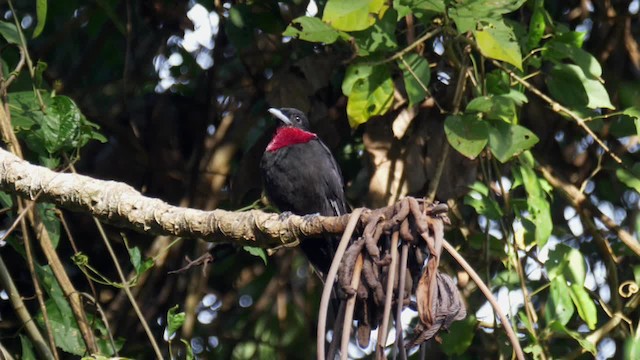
(284, 215)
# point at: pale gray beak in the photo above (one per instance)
(280, 116)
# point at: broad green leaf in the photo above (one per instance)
(416, 77)
(498, 82)
(467, 134)
(256, 251)
(634, 113)
(312, 29)
(353, 15)
(559, 306)
(632, 348)
(136, 260)
(41, 14)
(557, 51)
(5, 200)
(484, 206)
(558, 327)
(47, 213)
(174, 320)
(468, 13)
(498, 107)
(584, 304)
(630, 177)
(459, 337)
(568, 263)
(497, 41)
(568, 84)
(537, 25)
(27, 348)
(537, 203)
(507, 140)
(379, 37)
(481, 104)
(369, 96)
(354, 73)
(406, 7)
(9, 32)
(64, 328)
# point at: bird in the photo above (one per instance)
(301, 176)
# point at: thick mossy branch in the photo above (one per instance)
(121, 205)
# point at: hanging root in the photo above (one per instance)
(385, 278)
(373, 277)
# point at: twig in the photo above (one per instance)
(354, 218)
(348, 315)
(382, 332)
(404, 256)
(487, 293)
(409, 48)
(557, 107)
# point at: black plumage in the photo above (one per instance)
(301, 175)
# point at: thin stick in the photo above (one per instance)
(348, 315)
(382, 333)
(331, 278)
(404, 256)
(487, 293)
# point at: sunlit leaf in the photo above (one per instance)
(41, 15)
(568, 263)
(630, 177)
(468, 13)
(174, 321)
(379, 37)
(584, 304)
(369, 96)
(353, 15)
(311, 29)
(256, 251)
(559, 304)
(497, 41)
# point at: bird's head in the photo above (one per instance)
(291, 117)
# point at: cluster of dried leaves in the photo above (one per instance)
(387, 279)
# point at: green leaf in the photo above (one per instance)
(47, 213)
(174, 321)
(585, 305)
(353, 15)
(556, 326)
(634, 113)
(632, 348)
(65, 330)
(256, 251)
(27, 348)
(416, 75)
(537, 25)
(41, 14)
(9, 32)
(418, 7)
(467, 134)
(379, 37)
(459, 337)
(5, 200)
(507, 140)
(369, 96)
(559, 306)
(537, 203)
(354, 73)
(136, 260)
(498, 107)
(468, 13)
(189, 350)
(631, 177)
(479, 199)
(312, 29)
(557, 51)
(498, 41)
(568, 263)
(568, 84)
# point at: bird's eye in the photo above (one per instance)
(297, 118)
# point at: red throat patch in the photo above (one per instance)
(287, 136)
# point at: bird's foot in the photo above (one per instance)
(310, 217)
(284, 215)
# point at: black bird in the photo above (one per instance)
(300, 175)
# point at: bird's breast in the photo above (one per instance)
(287, 136)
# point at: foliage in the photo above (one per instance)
(536, 100)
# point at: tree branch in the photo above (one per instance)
(121, 205)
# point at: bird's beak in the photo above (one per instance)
(278, 114)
